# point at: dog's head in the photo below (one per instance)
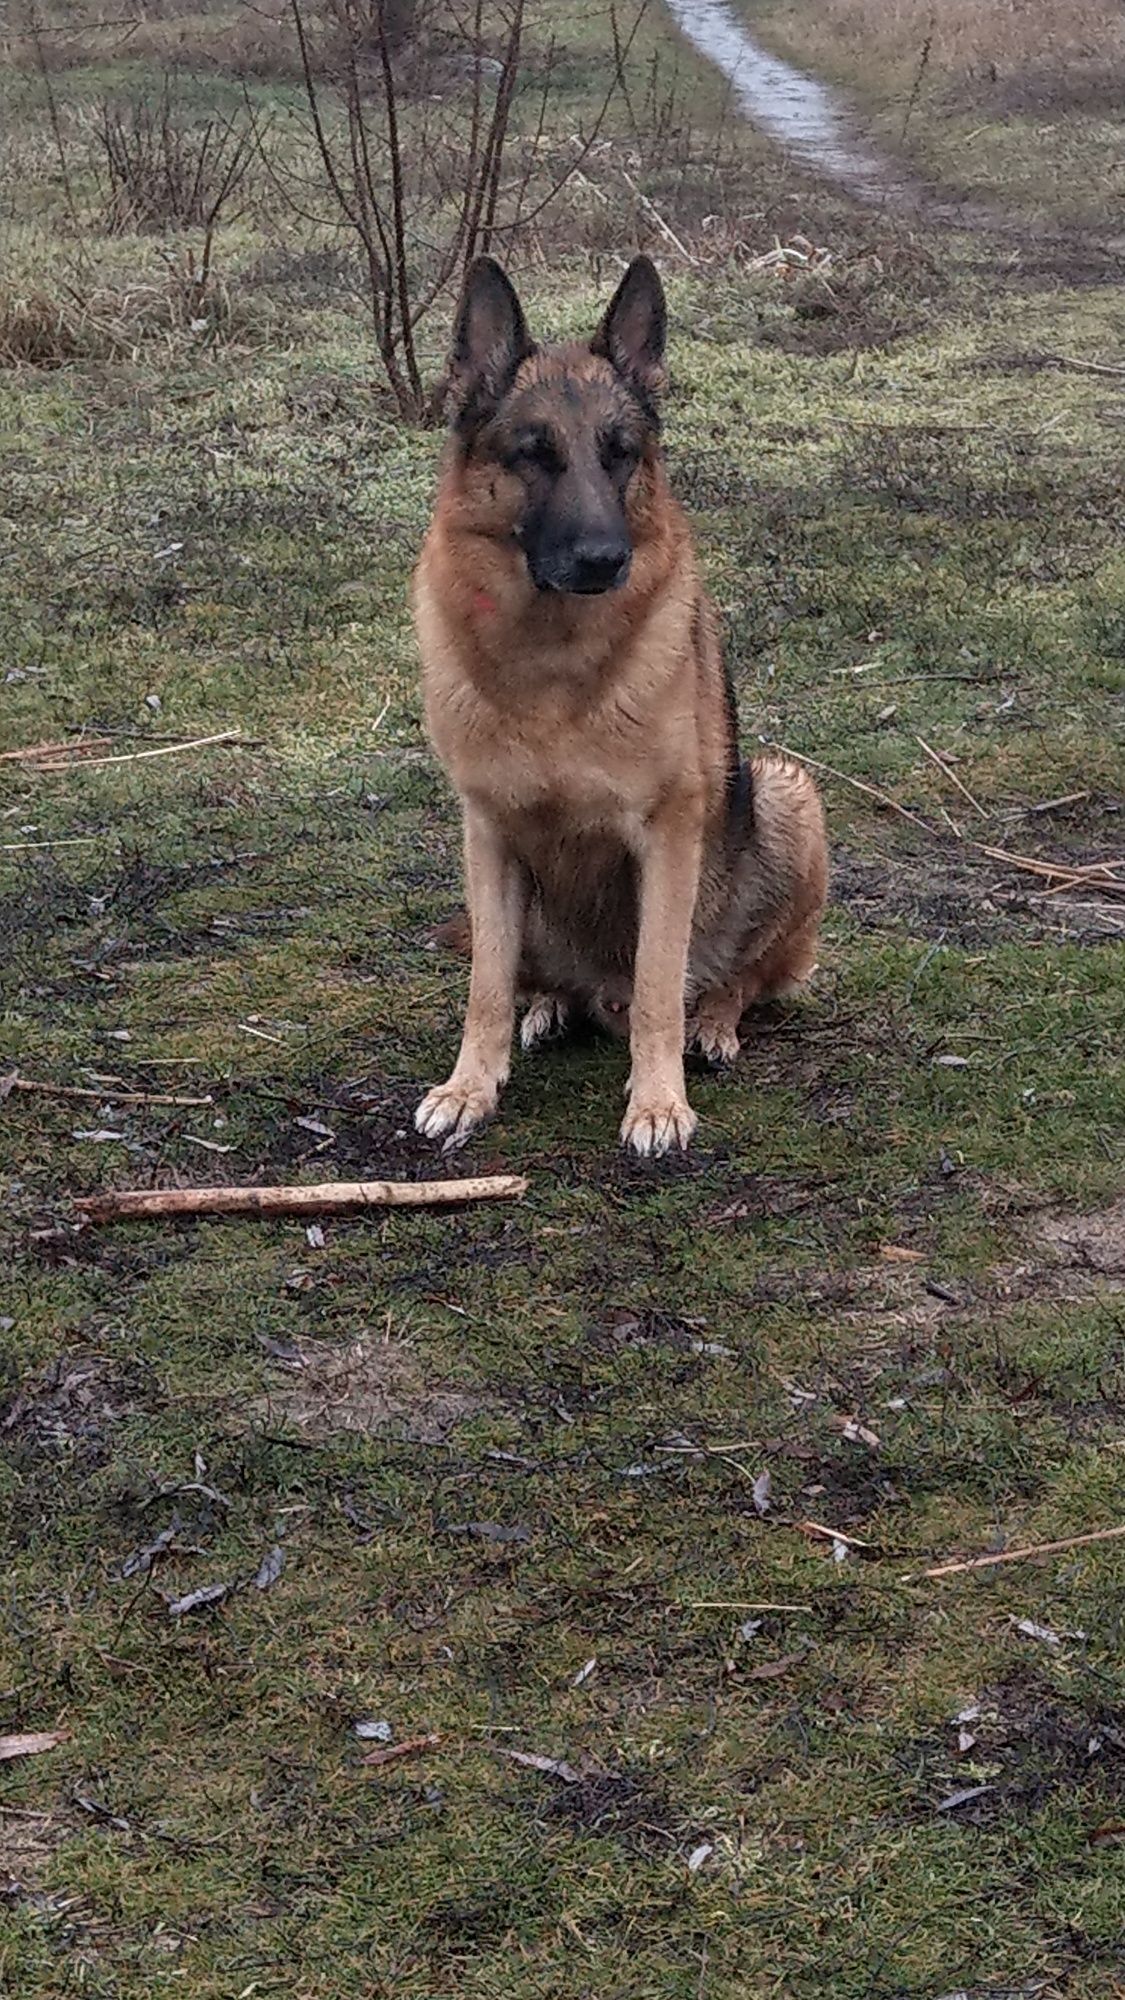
(557, 444)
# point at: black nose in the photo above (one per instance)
(599, 565)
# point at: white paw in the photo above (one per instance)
(658, 1122)
(547, 1016)
(452, 1111)
(716, 1041)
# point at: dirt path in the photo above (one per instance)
(814, 126)
(803, 115)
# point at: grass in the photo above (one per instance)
(1017, 106)
(910, 524)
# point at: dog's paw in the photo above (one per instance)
(715, 1040)
(658, 1122)
(452, 1111)
(547, 1016)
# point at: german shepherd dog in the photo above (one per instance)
(620, 858)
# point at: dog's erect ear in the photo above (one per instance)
(490, 340)
(633, 332)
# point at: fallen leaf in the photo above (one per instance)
(964, 1798)
(584, 1673)
(409, 1748)
(270, 1569)
(101, 1813)
(489, 1531)
(857, 1433)
(1111, 1829)
(772, 1670)
(141, 1560)
(314, 1126)
(30, 1746)
(198, 1600)
(314, 1236)
(966, 1741)
(1044, 1633)
(284, 1352)
(951, 1062)
(373, 1732)
(749, 1628)
(552, 1767)
(897, 1253)
(763, 1487)
(699, 1855)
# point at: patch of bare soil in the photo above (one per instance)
(1094, 1243)
(369, 1386)
(908, 1290)
(615, 1805)
(965, 899)
(1032, 1744)
(71, 1408)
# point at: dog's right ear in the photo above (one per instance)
(490, 340)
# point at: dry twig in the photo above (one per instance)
(99, 1096)
(391, 1752)
(1022, 1555)
(936, 758)
(137, 756)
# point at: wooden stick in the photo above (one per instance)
(1084, 870)
(1021, 1555)
(75, 840)
(137, 756)
(1095, 874)
(944, 768)
(75, 746)
(1087, 367)
(832, 1534)
(1046, 805)
(393, 1751)
(740, 1604)
(99, 1096)
(329, 1197)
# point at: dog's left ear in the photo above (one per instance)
(490, 341)
(633, 332)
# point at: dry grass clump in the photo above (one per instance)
(47, 326)
(165, 170)
(972, 35)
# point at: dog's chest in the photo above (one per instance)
(544, 775)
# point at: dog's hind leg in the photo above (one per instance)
(547, 1017)
(779, 882)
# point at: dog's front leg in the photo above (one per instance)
(659, 1115)
(496, 893)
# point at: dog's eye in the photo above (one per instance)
(537, 453)
(618, 453)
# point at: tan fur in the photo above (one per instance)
(589, 740)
